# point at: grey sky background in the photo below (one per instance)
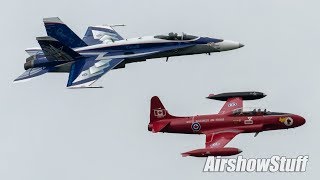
(50, 132)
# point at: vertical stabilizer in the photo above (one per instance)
(60, 31)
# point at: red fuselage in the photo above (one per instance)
(248, 124)
(221, 128)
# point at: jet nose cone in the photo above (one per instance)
(300, 120)
(227, 45)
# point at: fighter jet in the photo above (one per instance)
(221, 128)
(103, 49)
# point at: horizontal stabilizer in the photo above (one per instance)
(159, 125)
(32, 72)
(55, 50)
(60, 31)
(33, 51)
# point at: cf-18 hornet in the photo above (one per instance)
(103, 49)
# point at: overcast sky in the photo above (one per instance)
(48, 132)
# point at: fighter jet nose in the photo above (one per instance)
(227, 45)
(303, 121)
(300, 120)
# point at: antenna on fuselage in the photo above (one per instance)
(256, 134)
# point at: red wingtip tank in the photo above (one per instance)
(228, 151)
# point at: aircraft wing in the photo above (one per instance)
(101, 34)
(232, 104)
(84, 72)
(218, 139)
(32, 72)
(234, 100)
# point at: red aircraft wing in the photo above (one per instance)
(232, 104)
(218, 139)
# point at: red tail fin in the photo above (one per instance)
(158, 111)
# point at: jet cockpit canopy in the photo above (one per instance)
(254, 112)
(176, 36)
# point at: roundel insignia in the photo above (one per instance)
(288, 121)
(195, 126)
(232, 104)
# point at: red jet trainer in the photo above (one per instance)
(221, 128)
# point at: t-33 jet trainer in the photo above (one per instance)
(103, 49)
(221, 128)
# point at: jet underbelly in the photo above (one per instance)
(63, 68)
(196, 49)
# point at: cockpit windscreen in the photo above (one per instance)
(176, 36)
(255, 112)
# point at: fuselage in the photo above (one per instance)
(246, 124)
(221, 128)
(140, 49)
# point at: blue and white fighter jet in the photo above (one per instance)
(103, 49)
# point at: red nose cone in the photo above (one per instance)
(301, 121)
(297, 120)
